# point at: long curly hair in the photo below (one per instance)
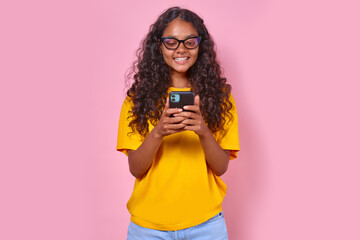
(151, 77)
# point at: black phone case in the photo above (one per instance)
(186, 98)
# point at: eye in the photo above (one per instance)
(191, 42)
(171, 42)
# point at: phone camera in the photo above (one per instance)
(175, 98)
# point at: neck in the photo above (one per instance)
(179, 80)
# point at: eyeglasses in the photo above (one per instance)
(173, 43)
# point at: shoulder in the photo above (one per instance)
(228, 96)
(232, 102)
(126, 108)
(231, 98)
(128, 103)
(231, 112)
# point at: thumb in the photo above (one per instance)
(166, 104)
(197, 100)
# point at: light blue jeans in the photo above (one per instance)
(212, 229)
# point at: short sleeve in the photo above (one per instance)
(228, 139)
(127, 139)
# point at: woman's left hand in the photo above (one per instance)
(216, 157)
(194, 120)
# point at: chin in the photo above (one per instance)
(181, 69)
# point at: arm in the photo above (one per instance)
(141, 159)
(216, 157)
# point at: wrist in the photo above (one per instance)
(205, 134)
(156, 133)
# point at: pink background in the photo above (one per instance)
(294, 67)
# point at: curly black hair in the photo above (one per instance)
(152, 77)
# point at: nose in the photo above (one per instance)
(181, 47)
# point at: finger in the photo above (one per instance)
(174, 126)
(172, 111)
(192, 114)
(192, 128)
(193, 108)
(174, 120)
(190, 122)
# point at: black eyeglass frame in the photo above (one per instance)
(180, 41)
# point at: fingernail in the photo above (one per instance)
(179, 110)
(186, 107)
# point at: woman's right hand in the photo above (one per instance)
(169, 125)
(141, 159)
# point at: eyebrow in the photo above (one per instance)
(188, 36)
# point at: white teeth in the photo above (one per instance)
(181, 59)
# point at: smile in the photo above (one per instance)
(181, 60)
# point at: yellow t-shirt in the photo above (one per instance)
(179, 190)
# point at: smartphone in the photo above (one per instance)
(179, 99)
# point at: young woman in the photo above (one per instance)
(178, 160)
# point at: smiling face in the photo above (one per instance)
(181, 59)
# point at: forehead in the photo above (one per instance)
(179, 29)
